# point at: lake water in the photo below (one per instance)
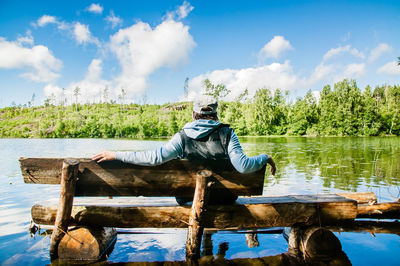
(305, 166)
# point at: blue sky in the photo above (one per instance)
(149, 48)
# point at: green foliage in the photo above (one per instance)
(343, 111)
(217, 91)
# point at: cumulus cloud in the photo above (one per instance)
(391, 68)
(92, 86)
(142, 49)
(275, 76)
(95, 8)
(378, 51)
(46, 19)
(113, 20)
(184, 10)
(343, 49)
(271, 76)
(354, 70)
(83, 35)
(38, 61)
(180, 12)
(275, 47)
(27, 39)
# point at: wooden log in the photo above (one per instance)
(87, 245)
(319, 242)
(360, 197)
(387, 210)
(115, 178)
(68, 179)
(207, 245)
(196, 226)
(373, 227)
(315, 245)
(257, 212)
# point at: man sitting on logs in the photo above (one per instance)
(203, 139)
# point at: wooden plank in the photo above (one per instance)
(115, 178)
(259, 212)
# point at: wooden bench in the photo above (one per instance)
(182, 178)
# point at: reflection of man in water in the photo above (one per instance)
(204, 138)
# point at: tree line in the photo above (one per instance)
(344, 110)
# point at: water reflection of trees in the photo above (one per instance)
(342, 163)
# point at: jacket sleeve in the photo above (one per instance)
(240, 161)
(171, 150)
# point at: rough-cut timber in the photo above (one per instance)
(114, 178)
(86, 244)
(253, 212)
(195, 229)
(69, 173)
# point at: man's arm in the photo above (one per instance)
(172, 150)
(244, 164)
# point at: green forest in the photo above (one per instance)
(344, 110)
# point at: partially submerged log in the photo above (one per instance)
(254, 212)
(315, 244)
(115, 178)
(86, 244)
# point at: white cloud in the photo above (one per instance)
(391, 68)
(83, 35)
(141, 50)
(184, 10)
(274, 48)
(378, 51)
(38, 61)
(27, 39)
(92, 86)
(95, 8)
(180, 12)
(353, 71)
(46, 19)
(271, 76)
(343, 49)
(113, 20)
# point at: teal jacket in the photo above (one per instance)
(173, 149)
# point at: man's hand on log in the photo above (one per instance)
(104, 156)
(272, 164)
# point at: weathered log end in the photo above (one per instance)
(316, 244)
(85, 244)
